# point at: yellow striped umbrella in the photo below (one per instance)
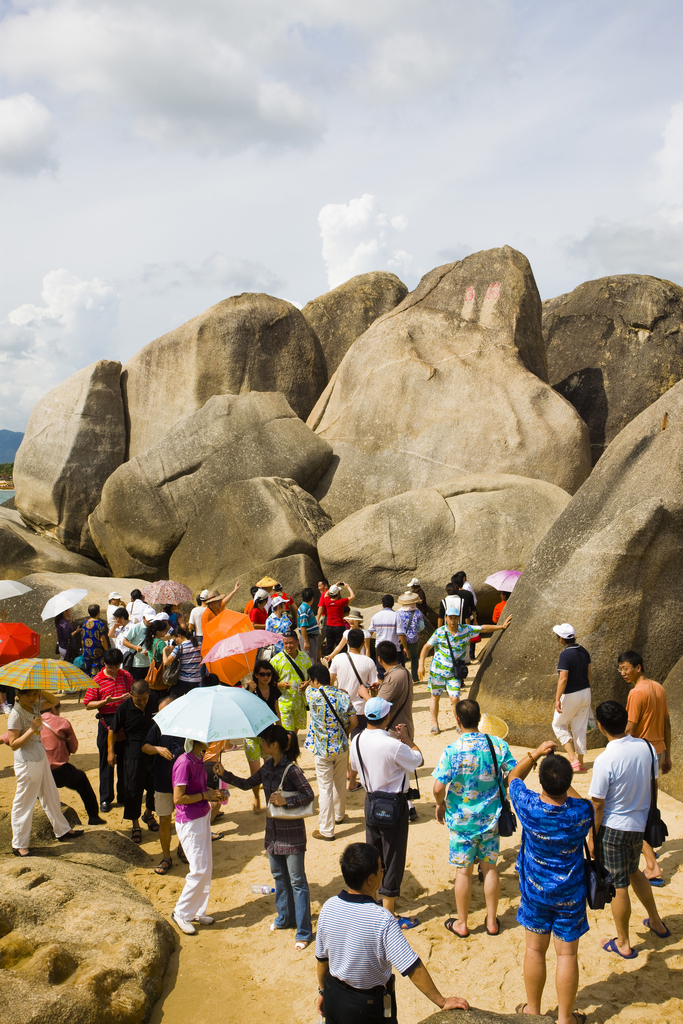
(43, 674)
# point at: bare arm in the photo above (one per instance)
(599, 808)
(323, 969)
(526, 763)
(562, 680)
(422, 979)
(232, 593)
(424, 653)
(181, 797)
(17, 738)
(495, 629)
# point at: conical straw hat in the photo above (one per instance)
(493, 726)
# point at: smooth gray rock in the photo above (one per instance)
(78, 945)
(341, 315)
(249, 342)
(75, 439)
(672, 782)
(477, 523)
(614, 347)
(247, 523)
(149, 502)
(24, 551)
(451, 382)
(473, 1016)
(612, 566)
(44, 585)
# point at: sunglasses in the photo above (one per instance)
(267, 675)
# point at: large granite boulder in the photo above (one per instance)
(474, 1016)
(612, 566)
(77, 945)
(250, 342)
(672, 783)
(149, 502)
(340, 316)
(75, 439)
(24, 551)
(44, 585)
(451, 382)
(478, 523)
(294, 572)
(614, 346)
(247, 523)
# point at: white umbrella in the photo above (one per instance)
(10, 588)
(60, 602)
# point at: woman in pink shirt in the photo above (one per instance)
(192, 799)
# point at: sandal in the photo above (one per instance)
(181, 854)
(136, 835)
(354, 789)
(299, 945)
(151, 822)
(435, 730)
(449, 926)
(164, 865)
(405, 923)
(520, 1008)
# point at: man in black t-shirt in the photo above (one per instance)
(165, 750)
(134, 716)
(573, 696)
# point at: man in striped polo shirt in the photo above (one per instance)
(359, 942)
(109, 689)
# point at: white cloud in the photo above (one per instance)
(26, 135)
(218, 271)
(42, 345)
(670, 159)
(358, 236)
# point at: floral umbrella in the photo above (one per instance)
(167, 592)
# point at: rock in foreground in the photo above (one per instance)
(612, 566)
(249, 342)
(75, 438)
(473, 523)
(78, 946)
(615, 345)
(451, 382)
(24, 551)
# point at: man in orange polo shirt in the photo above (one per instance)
(648, 719)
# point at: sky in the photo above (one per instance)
(158, 156)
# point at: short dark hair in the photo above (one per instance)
(612, 716)
(632, 657)
(121, 613)
(136, 595)
(386, 650)
(252, 590)
(358, 862)
(326, 582)
(320, 673)
(211, 679)
(469, 713)
(458, 578)
(291, 635)
(307, 594)
(139, 687)
(387, 601)
(355, 638)
(555, 774)
(113, 656)
(260, 664)
(451, 589)
(286, 739)
(93, 610)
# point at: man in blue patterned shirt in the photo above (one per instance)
(471, 811)
(332, 719)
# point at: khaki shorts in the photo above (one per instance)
(163, 803)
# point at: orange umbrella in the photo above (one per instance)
(17, 641)
(219, 627)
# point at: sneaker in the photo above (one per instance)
(203, 919)
(185, 926)
(413, 815)
(318, 835)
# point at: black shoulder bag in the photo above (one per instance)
(507, 822)
(599, 883)
(655, 829)
(384, 810)
(294, 665)
(414, 792)
(459, 667)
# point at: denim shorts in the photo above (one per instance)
(567, 925)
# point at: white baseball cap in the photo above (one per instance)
(565, 630)
(334, 590)
(114, 596)
(204, 594)
(277, 601)
(414, 582)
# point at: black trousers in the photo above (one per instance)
(139, 777)
(73, 778)
(334, 635)
(106, 772)
(346, 1005)
(392, 846)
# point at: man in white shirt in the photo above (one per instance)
(353, 672)
(621, 791)
(114, 601)
(385, 765)
(384, 626)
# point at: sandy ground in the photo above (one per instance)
(238, 970)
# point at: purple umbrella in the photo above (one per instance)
(504, 580)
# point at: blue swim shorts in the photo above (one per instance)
(567, 925)
(463, 850)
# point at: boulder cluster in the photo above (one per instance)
(378, 434)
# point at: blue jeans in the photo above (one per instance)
(292, 898)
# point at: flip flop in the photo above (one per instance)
(448, 925)
(657, 883)
(497, 932)
(611, 947)
(407, 922)
(354, 789)
(660, 935)
(435, 730)
(215, 836)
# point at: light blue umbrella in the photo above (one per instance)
(210, 713)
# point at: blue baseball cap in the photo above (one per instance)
(377, 708)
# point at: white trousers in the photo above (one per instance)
(195, 838)
(331, 775)
(574, 715)
(35, 782)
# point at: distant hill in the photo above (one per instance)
(9, 442)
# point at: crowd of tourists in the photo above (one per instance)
(350, 686)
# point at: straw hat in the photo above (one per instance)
(355, 614)
(267, 581)
(409, 598)
(493, 726)
(213, 595)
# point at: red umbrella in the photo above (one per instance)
(17, 641)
